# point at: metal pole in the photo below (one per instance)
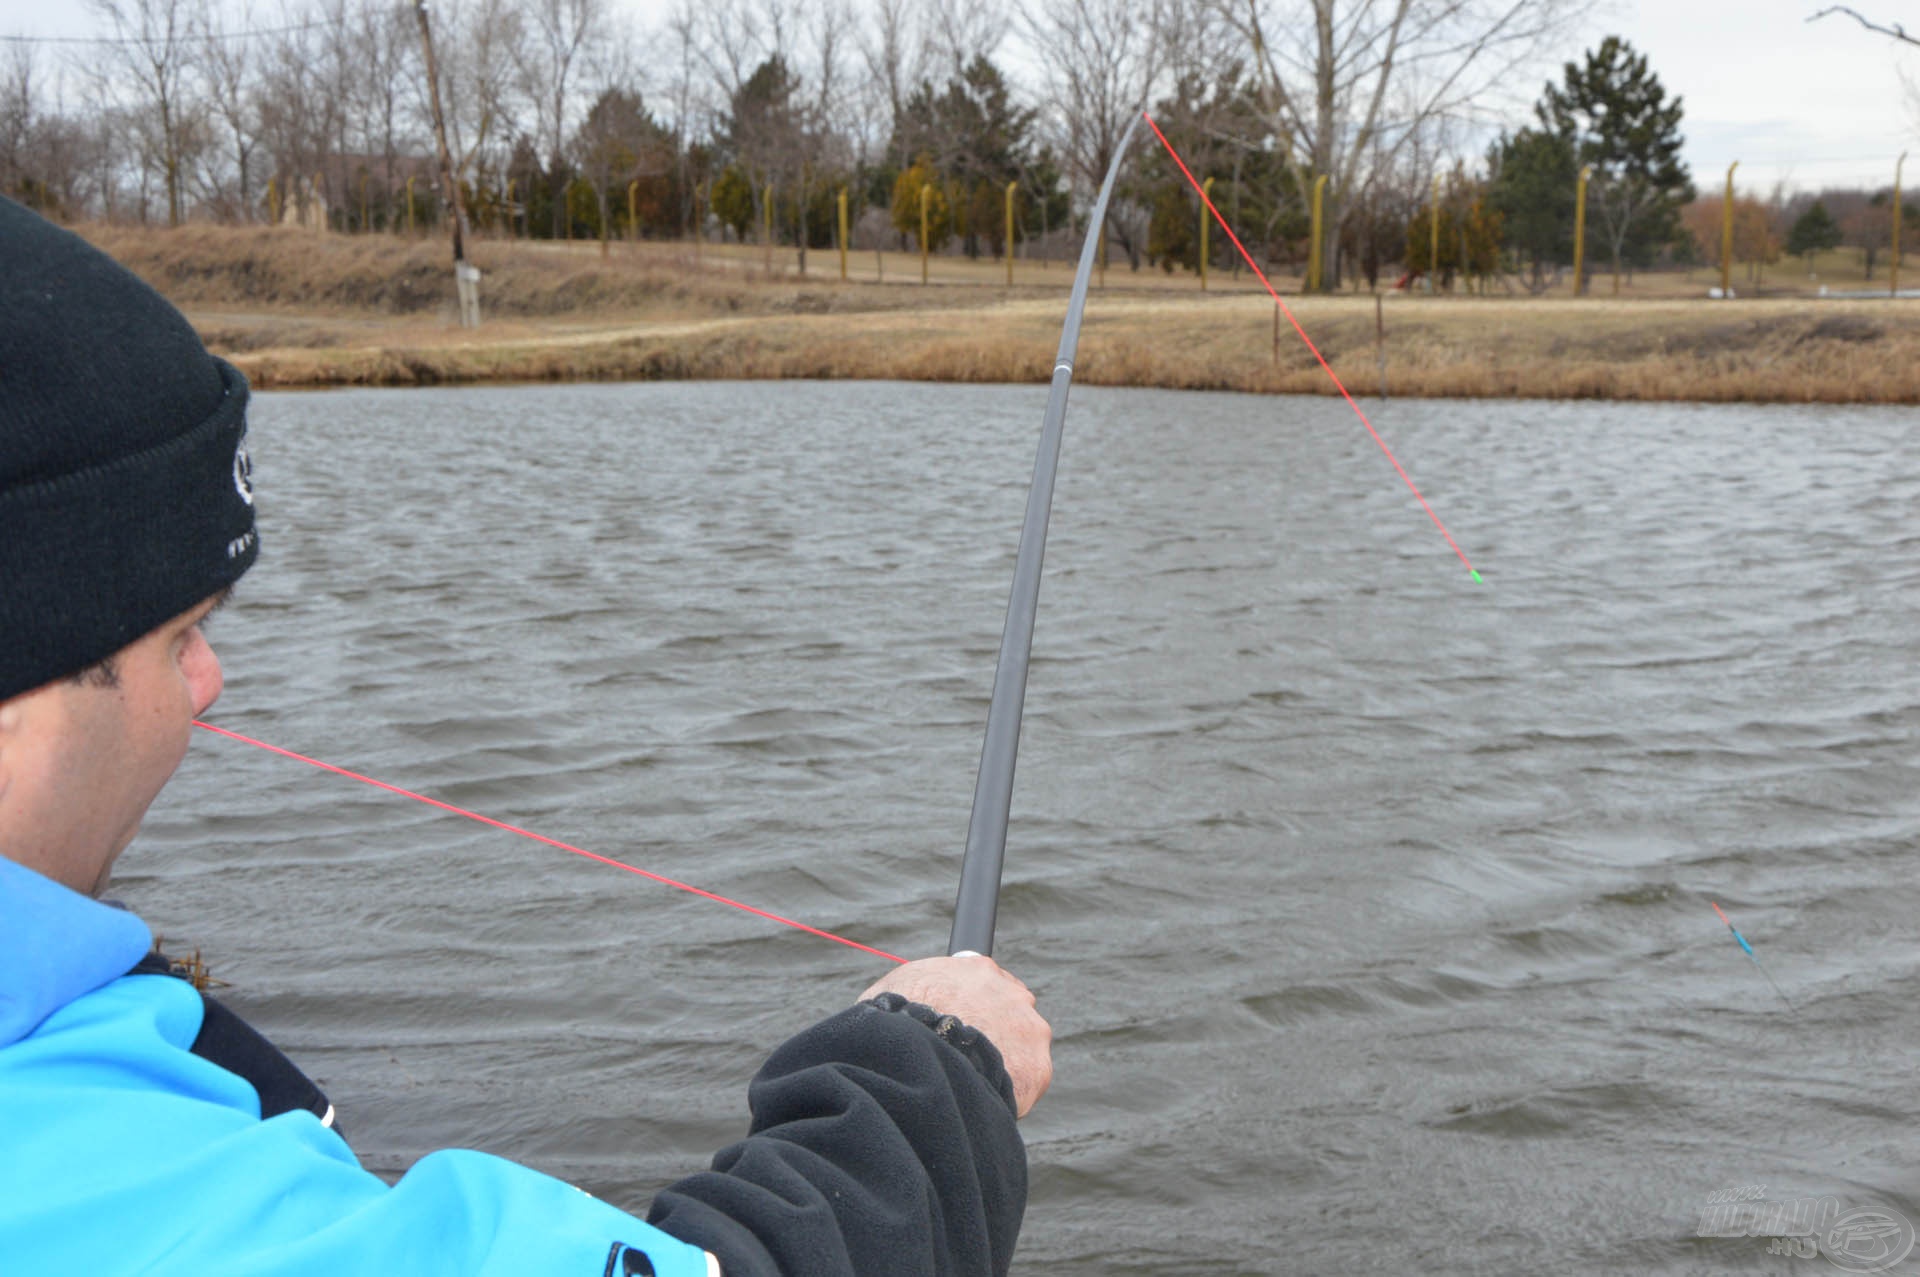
(1726, 236)
(978, 902)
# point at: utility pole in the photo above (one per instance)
(466, 277)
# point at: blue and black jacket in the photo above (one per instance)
(146, 1129)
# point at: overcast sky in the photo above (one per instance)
(1808, 104)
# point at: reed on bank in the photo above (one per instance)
(292, 309)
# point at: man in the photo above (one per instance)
(143, 1127)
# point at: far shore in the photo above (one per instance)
(293, 309)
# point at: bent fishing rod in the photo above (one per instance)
(978, 903)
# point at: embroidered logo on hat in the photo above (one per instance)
(243, 472)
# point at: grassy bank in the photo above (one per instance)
(297, 310)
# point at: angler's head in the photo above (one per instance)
(126, 513)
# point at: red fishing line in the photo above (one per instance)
(551, 842)
(1262, 276)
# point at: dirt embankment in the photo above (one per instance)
(293, 309)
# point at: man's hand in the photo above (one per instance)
(988, 998)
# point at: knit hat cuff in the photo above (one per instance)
(95, 558)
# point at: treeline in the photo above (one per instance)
(736, 117)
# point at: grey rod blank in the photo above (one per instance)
(979, 900)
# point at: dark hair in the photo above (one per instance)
(102, 673)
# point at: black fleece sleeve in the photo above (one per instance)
(883, 1142)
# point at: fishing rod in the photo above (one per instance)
(978, 903)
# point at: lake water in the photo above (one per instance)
(1370, 905)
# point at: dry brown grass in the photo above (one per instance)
(298, 310)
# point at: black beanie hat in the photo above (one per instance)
(124, 480)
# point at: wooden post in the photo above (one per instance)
(767, 233)
(1726, 236)
(633, 210)
(1580, 228)
(843, 234)
(510, 186)
(926, 199)
(1276, 334)
(1206, 225)
(321, 221)
(409, 206)
(363, 202)
(273, 200)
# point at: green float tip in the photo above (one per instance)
(1476, 576)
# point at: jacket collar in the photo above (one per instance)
(56, 945)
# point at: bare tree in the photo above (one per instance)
(896, 49)
(152, 45)
(559, 37)
(226, 64)
(385, 52)
(1348, 84)
(17, 114)
(1103, 59)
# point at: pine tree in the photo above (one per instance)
(1812, 232)
(1620, 120)
(1533, 184)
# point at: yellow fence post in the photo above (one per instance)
(926, 196)
(320, 221)
(1206, 225)
(273, 201)
(1580, 228)
(1893, 263)
(843, 233)
(767, 235)
(1433, 247)
(633, 210)
(1011, 188)
(1726, 236)
(1316, 256)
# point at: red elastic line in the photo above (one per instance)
(1262, 275)
(551, 842)
(1723, 916)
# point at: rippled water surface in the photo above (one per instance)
(1370, 905)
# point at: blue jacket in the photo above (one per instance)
(877, 1146)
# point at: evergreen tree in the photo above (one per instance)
(1814, 231)
(1532, 185)
(1618, 118)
